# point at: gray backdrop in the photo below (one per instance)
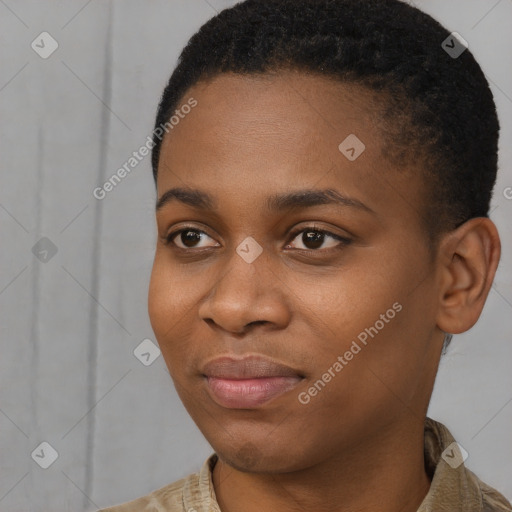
(71, 319)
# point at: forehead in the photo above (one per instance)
(253, 133)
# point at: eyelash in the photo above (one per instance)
(343, 240)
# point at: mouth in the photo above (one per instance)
(249, 382)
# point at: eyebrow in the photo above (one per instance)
(275, 203)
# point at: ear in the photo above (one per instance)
(469, 256)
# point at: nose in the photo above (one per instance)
(247, 295)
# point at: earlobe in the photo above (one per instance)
(469, 258)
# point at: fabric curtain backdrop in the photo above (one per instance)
(79, 87)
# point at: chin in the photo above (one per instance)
(249, 457)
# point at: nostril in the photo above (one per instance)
(257, 322)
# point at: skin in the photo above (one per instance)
(303, 304)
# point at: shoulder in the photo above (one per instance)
(492, 500)
(165, 499)
(194, 492)
(453, 485)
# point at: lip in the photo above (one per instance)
(249, 382)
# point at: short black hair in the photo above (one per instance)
(437, 110)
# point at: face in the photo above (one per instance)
(292, 293)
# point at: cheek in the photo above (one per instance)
(366, 317)
(168, 295)
(171, 299)
(157, 298)
(166, 307)
(346, 304)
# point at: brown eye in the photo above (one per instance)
(314, 239)
(188, 238)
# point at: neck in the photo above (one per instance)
(386, 473)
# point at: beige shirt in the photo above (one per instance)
(454, 488)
